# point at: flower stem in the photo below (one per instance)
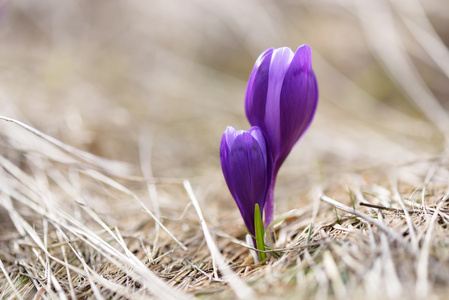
(269, 202)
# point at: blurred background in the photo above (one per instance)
(167, 76)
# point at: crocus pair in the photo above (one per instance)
(281, 99)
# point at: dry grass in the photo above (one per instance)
(145, 89)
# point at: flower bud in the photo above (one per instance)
(247, 168)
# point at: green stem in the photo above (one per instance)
(260, 232)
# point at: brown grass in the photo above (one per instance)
(113, 189)
(70, 230)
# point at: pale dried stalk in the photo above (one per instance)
(367, 218)
(241, 290)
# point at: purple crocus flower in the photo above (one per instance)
(247, 167)
(281, 98)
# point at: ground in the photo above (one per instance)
(112, 115)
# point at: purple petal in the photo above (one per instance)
(224, 157)
(278, 68)
(248, 176)
(259, 136)
(299, 99)
(227, 141)
(246, 164)
(256, 91)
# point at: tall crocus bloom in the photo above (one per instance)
(281, 98)
(247, 167)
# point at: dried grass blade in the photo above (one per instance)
(411, 227)
(422, 274)
(241, 290)
(367, 218)
(11, 284)
(145, 153)
(390, 276)
(114, 167)
(100, 177)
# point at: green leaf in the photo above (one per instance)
(338, 217)
(247, 232)
(259, 232)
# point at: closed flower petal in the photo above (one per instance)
(247, 169)
(280, 63)
(281, 99)
(256, 92)
(298, 101)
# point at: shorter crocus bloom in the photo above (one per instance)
(247, 167)
(281, 98)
